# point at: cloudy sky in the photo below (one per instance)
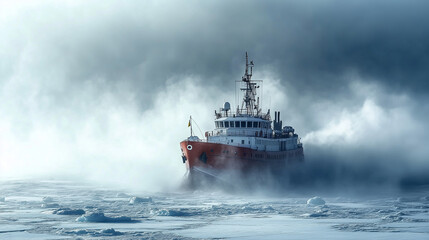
(105, 88)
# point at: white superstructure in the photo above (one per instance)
(248, 126)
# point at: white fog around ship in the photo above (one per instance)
(95, 97)
(110, 136)
(109, 93)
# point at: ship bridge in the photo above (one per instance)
(242, 126)
(252, 132)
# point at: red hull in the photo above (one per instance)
(226, 157)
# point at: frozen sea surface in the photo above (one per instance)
(68, 210)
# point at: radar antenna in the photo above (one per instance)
(250, 104)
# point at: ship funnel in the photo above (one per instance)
(277, 122)
(277, 117)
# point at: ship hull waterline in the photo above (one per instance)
(217, 158)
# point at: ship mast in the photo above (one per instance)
(250, 105)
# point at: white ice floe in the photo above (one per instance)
(50, 205)
(317, 214)
(135, 200)
(207, 215)
(170, 212)
(68, 211)
(99, 217)
(316, 201)
(92, 232)
(122, 195)
(47, 199)
(109, 232)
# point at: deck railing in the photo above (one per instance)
(239, 133)
(241, 113)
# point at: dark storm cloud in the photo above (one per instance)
(310, 43)
(315, 43)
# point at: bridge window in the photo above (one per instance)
(217, 124)
(242, 141)
(231, 124)
(221, 124)
(237, 124)
(243, 124)
(259, 124)
(249, 124)
(255, 124)
(226, 124)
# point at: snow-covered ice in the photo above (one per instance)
(81, 211)
(47, 199)
(50, 205)
(100, 218)
(135, 200)
(68, 211)
(316, 201)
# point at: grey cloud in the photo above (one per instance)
(52, 52)
(310, 43)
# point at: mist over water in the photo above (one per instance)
(95, 97)
(103, 92)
